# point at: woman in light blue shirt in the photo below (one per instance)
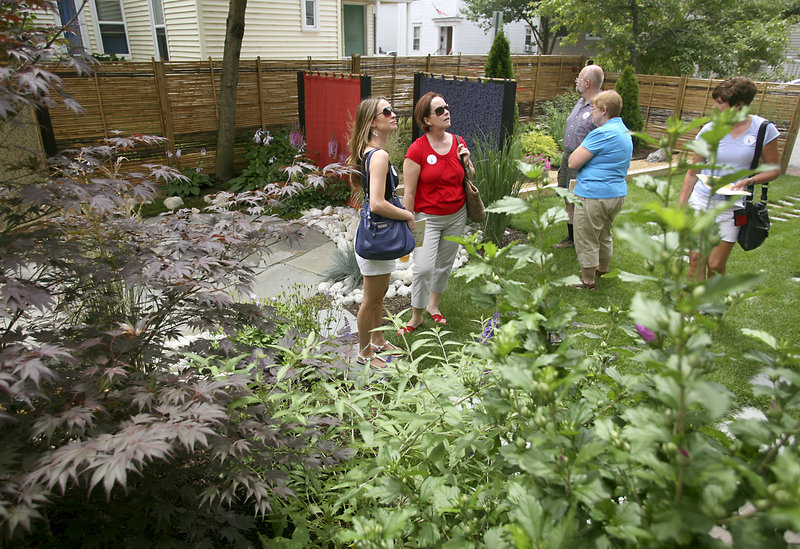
(735, 153)
(603, 160)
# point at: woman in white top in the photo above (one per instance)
(735, 153)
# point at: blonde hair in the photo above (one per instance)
(609, 100)
(360, 127)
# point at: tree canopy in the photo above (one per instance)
(678, 36)
(545, 29)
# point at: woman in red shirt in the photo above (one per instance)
(433, 173)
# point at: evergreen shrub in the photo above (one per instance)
(628, 87)
(498, 63)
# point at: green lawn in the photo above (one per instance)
(774, 309)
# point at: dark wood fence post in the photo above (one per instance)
(394, 78)
(213, 88)
(260, 93)
(681, 94)
(100, 100)
(167, 130)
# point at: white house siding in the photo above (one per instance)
(196, 29)
(468, 37)
(140, 29)
(273, 30)
(183, 30)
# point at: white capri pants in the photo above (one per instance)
(433, 261)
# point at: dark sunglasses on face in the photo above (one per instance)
(387, 112)
(439, 111)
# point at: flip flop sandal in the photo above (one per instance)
(408, 329)
(374, 361)
(388, 348)
(439, 319)
(582, 286)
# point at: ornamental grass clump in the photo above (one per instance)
(497, 176)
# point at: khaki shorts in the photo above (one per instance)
(593, 222)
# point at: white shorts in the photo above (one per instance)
(375, 267)
(728, 232)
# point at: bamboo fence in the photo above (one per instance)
(178, 100)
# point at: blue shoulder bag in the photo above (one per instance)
(380, 237)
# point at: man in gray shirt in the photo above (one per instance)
(579, 123)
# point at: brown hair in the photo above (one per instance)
(735, 91)
(422, 110)
(359, 129)
(609, 100)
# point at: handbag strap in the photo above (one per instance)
(388, 192)
(762, 132)
(460, 139)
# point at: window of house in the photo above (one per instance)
(528, 39)
(309, 14)
(159, 30)
(415, 43)
(111, 24)
(69, 17)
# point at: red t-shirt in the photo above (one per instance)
(440, 189)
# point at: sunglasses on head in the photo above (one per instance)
(439, 111)
(387, 112)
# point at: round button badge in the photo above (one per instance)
(586, 115)
(750, 140)
(431, 159)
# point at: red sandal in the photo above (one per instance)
(439, 319)
(407, 329)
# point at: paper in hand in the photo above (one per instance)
(419, 232)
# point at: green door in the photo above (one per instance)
(354, 30)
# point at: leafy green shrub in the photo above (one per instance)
(498, 62)
(297, 310)
(522, 440)
(540, 144)
(399, 142)
(191, 182)
(628, 87)
(267, 154)
(556, 111)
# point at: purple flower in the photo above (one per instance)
(645, 334)
(488, 331)
(333, 148)
(257, 136)
(178, 153)
(296, 139)
(202, 152)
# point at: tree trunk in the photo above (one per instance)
(229, 80)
